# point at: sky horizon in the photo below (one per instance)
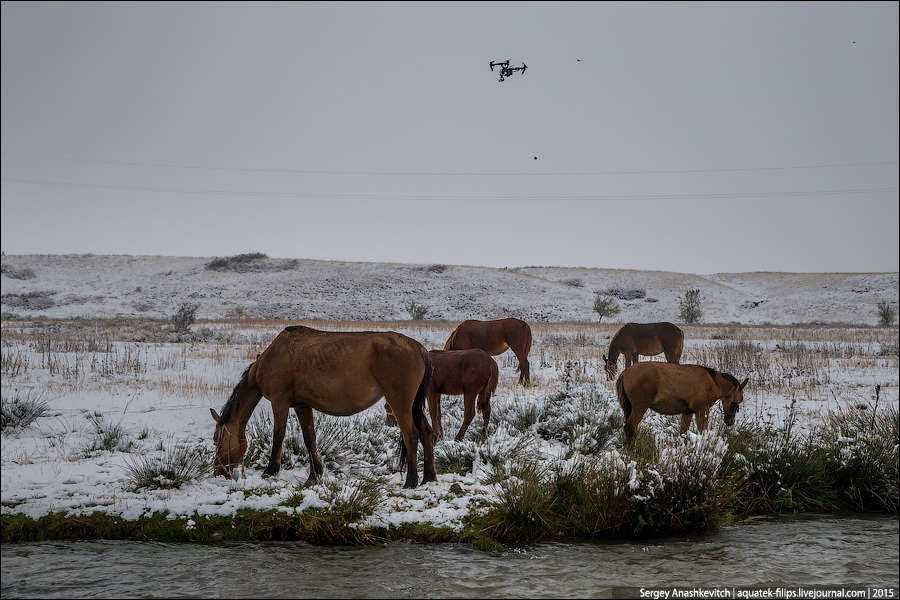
(682, 137)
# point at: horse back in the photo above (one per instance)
(649, 339)
(489, 336)
(462, 371)
(339, 372)
(669, 388)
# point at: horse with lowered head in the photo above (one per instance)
(673, 389)
(647, 339)
(470, 373)
(495, 337)
(336, 373)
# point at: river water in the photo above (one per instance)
(800, 550)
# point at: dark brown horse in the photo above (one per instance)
(495, 337)
(470, 373)
(647, 339)
(337, 374)
(672, 389)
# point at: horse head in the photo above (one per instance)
(611, 366)
(231, 445)
(731, 403)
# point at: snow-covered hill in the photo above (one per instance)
(63, 286)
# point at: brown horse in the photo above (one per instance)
(337, 374)
(672, 389)
(471, 373)
(495, 337)
(648, 339)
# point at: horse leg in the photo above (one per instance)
(305, 416)
(280, 411)
(410, 435)
(434, 407)
(426, 435)
(632, 421)
(524, 367)
(468, 415)
(702, 418)
(686, 421)
(484, 405)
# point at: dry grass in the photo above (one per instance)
(99, 354)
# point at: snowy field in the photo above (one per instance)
(91, 337)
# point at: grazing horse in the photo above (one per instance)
(335, 373)
(672, 389)
(648, 339)
(495, 337)
(471, 373)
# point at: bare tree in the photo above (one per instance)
(606, 306)
(690, 307)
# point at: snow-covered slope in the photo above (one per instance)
(63, 286)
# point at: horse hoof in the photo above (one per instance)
(428, 477)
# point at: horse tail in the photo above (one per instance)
(418, 406)
(624, 402)
(490, 386)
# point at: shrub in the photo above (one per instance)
(232, 262)
(690, 307)
(107, 437)
(246, 263)
(887, 313)
(621, 294)
(415, 310)
(606, 307)
(31, 300)
(169, 467)
(21, 410)
(184, 318)
(14, 272)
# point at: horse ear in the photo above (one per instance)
(215, 416)
(744, 383)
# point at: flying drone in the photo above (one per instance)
(506, 70)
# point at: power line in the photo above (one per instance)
(426, 173)
(450, 197)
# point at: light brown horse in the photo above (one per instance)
(647, 339)
(673, 389)
(495, 337)
(335, 373)
(470, 373)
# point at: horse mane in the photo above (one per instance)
(729, 378)
(232, 401)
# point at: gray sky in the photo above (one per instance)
(688, 137)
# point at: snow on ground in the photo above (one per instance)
(157, 394)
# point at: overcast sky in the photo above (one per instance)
(687, 137)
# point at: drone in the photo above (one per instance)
(506, 70)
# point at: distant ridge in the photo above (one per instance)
(87, 285)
